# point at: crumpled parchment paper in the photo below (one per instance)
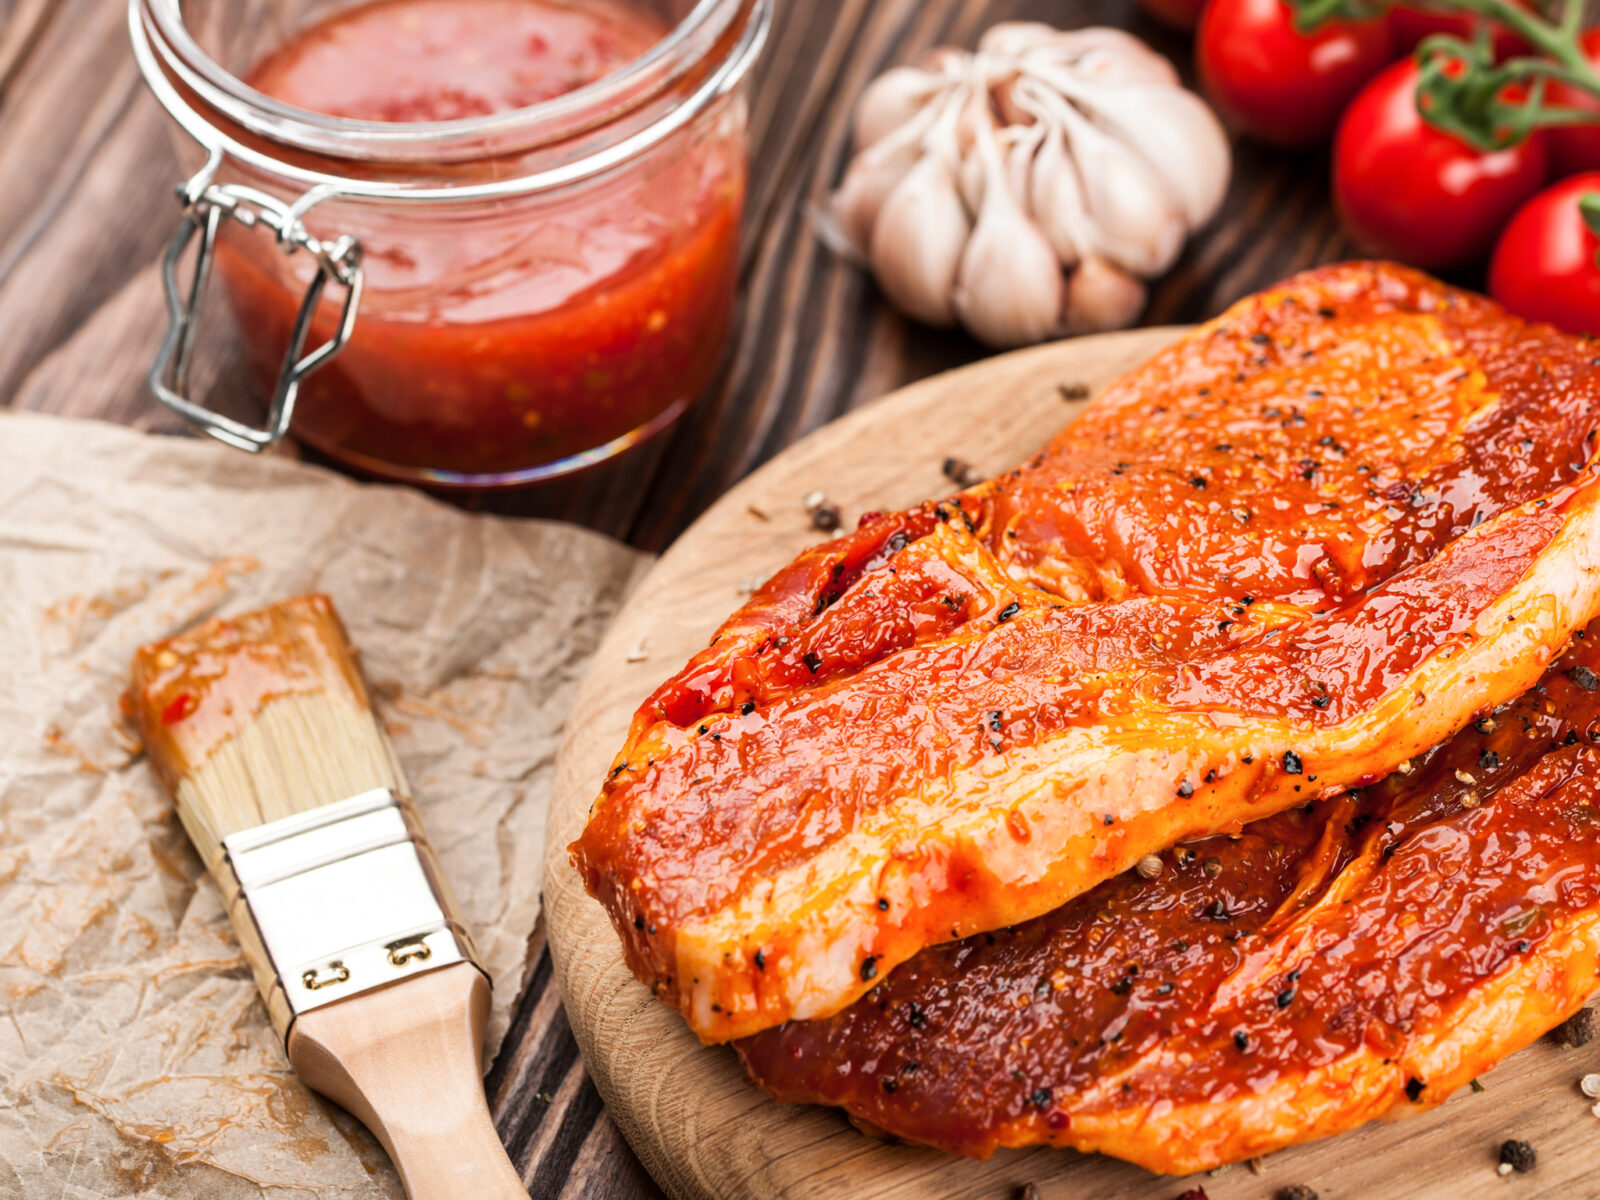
(136, 1058)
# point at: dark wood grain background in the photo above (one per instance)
(87, 166)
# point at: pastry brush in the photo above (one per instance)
(260, 728)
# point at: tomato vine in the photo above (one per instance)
(1463, 91)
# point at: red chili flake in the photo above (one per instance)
(181, 706)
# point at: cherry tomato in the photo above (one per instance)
(1407, 191)
(1277, 84)
(1576, 148)
(1544, 264)
(1182, 15)
(1410, 25)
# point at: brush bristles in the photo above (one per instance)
(248, 719)
(300, 752)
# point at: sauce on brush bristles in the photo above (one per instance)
(249, 719)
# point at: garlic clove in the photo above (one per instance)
(1020, 146)
(918, 239)
(1055, 198)
(893, 100)
(1100, 297)
(1136, 222)
(975, 122)
(1175, 134)
(847, 220)
(852, 211)
(1009, 291)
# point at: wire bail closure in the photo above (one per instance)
(206, 205)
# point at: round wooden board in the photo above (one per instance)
(699, 1126)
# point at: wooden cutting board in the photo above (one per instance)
(687, 1110)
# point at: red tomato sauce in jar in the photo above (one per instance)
(498, 345)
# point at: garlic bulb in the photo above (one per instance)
(1026, 189)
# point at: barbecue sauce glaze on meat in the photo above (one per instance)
(1304, 544)
(1364, 955)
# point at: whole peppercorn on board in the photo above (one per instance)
(688, 1109)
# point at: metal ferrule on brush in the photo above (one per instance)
(338, 900)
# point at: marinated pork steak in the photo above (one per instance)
(1359, 957)
(1301, 546)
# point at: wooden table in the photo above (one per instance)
(87, 167)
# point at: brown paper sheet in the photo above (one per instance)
(135, 1055)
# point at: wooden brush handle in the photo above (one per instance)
(407, 1061)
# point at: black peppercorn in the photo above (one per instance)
(1520, 1155)
(826, 517)
(1577, 1030)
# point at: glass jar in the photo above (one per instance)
(476, 302)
